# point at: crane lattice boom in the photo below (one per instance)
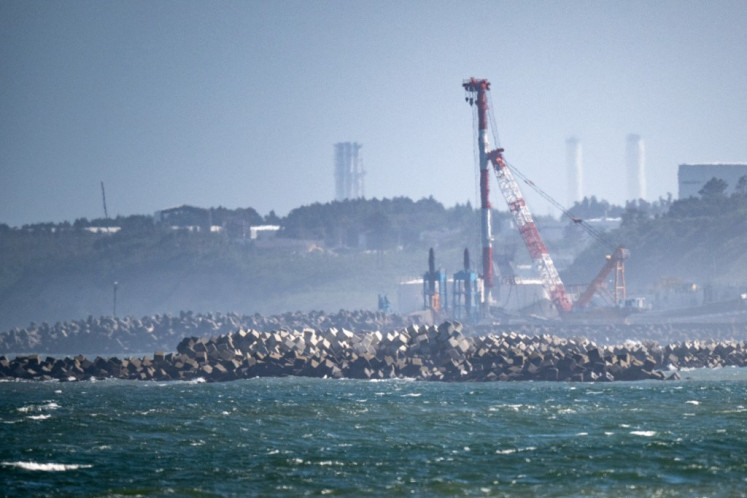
(477, 95)
(614, 261)
(528, 230)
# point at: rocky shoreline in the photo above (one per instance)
(118, 335)
(431, 353)
(130, 335)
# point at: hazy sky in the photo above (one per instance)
(238, 104)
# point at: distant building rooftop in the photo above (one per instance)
(103, 229)
(691, 178)
(263, 231)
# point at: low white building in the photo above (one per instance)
(263, 231)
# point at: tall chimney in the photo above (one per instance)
(635, 162)
(574, 163)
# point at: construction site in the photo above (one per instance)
(500, 292)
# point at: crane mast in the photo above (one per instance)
(553, 285)
(477, 95)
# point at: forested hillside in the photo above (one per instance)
(338, 255)
(697, 240)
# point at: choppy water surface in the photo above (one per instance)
(294, 436)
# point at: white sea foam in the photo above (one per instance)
(510, 451)
(412, 395)
(692, 402)
(39, 417)
(46, 467)
(644, 433)
(37, 408)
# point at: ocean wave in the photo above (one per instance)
(510, 451)
(515, 407)
(392, 380)
(644, 433)
(37, 408)
(46, 467)
(39, 417)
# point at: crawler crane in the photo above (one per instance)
(476, 95)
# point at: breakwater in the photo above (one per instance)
(118, 335)
(123, 335)
(422, 352)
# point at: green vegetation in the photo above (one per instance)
(330, 256)
(699, 240)
(385, 224)
(338, 255)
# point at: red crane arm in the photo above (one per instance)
(620, 254)
(525, 223)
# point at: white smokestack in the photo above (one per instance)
(574, 163)
(635, 162)
(348, 171)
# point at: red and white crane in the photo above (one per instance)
(477, 95)
(541, 259)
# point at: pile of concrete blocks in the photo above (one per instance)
(420, 352)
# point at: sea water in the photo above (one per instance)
(298, 436)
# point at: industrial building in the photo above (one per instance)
(691, 178)
(349, 171)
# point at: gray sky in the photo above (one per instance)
(238, 104)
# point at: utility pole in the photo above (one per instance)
(114, 308)
(103, 198)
